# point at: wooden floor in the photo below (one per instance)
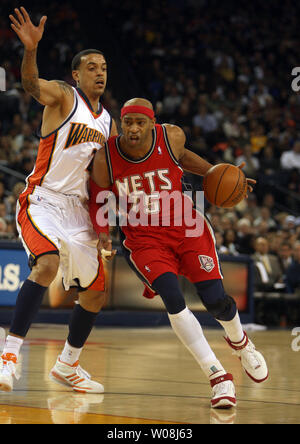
(150, 378)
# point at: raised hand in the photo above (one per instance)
(28, 33)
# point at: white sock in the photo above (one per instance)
(13, 345)
(233, 329)
(70, 354)
(189, 331)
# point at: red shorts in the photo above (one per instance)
(193, 257)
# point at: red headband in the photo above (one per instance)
(137, 109)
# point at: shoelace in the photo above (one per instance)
(9, 368)
(249, 356)
(82, 373)
(220, 389)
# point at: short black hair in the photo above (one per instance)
(77, 58)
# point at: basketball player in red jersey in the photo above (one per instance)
(150, 158)
(52, 215)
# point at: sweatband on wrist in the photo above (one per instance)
(137, 109)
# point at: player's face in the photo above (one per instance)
(92, 74)
(136, 129)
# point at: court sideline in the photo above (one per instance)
(149, 378)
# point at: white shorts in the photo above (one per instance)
(53, 223)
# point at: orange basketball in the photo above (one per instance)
(225, 185)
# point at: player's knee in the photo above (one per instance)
(167, 286)
(93, 301)
(216, 301)
(44, 269)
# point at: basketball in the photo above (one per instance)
(225, 185)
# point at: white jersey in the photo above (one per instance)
(65, 154)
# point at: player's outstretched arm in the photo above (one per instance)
(51, 93)
(188, 160)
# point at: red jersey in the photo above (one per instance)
(156, 177)
(154, 250)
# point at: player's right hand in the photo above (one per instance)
(29, 34)
(105, 247)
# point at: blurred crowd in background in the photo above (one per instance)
(220, 71)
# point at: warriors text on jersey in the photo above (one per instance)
(64, 155)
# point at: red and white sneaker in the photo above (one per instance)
(252, 361)
(74, 376)
(8, 363)
(223, 396)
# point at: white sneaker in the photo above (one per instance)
(74, 376)
(223, 396)
(8, 363)
(252, 361)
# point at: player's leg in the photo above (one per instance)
(37, 227)
(58, 296)
(185, 324)
(223, 308)
(157, 268)
(67, 370)
(189, 331)
(27, 305)
(84, 266)
(200, 264)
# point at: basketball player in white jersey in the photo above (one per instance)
(52, 215)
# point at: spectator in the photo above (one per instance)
(267, 267)
(258, 138)
(265, 216)
(252, 206)
(244, 237)
(204, 121)
(172, 100)
(252, 163)
(292, 276)
(291, 159)
(269, 202)
(269, 164)
(221, 249)
(230, 241)
(285, 255)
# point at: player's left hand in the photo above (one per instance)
(29, 34)
(250, 182)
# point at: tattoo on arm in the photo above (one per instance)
(30, 74)
(65, 87)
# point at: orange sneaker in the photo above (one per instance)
(8, 363)
(74, 376)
